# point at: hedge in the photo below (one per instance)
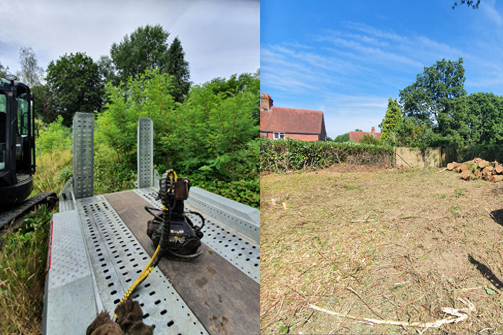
(285, 155)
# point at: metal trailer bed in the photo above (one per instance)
(99, 245)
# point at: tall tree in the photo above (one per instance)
(178, 67)
(31, 74)
(75, 85)
(391, 122)
(430, 98)
(146, 48)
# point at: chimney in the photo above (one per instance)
(373, 131)
(265, 102)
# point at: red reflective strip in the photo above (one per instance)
(49, 249)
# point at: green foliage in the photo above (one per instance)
(55, 137)
(238, 84)
(412, 133)
(147, 96)
(146, 48)
(477, 119)
(490, 152)
(391, 122)
(210, 138)
(369, 139)
(75, 85)
(22, 264)
(178, 67)
(284, 155)
(110, 173)
(215, 135)
(430, 99)
(342, 138)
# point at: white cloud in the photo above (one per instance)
(219, 37)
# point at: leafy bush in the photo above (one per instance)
(53, 138)
(284, 155)
(369, 139)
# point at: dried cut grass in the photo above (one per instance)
(51, 168)
(394, 244)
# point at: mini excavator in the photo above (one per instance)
(17, 151)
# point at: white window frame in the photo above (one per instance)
(278, 135)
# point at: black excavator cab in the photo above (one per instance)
(17, 142)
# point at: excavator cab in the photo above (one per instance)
(17, 142)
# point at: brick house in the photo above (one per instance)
(358, 135)
(298, 124)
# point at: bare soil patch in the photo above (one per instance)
(380, 243)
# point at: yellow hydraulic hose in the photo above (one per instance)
(146, 271)
(141, 277)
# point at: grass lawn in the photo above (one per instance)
(383, 244)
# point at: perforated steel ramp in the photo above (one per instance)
(116, 258)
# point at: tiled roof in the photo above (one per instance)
(358, 135)
(291, 120)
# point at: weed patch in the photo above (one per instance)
(22, 267)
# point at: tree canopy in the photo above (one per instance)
(430, 98)
(74, 85)
(31, 74)
(145, 48)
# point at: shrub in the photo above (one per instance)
(284, 155)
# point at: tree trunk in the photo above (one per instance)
(465, 174)
(482, 164)
(453, 165)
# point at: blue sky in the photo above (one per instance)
(219, 37)
(347, 58)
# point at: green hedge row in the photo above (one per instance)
(285, 155)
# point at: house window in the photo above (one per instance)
(279, 136)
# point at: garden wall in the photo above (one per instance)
(426, 157)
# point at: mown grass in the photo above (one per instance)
(22, 271)
(407, 242)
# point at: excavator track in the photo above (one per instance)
(27, 206)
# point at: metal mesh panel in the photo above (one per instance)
(145, 152)
(83, 154)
